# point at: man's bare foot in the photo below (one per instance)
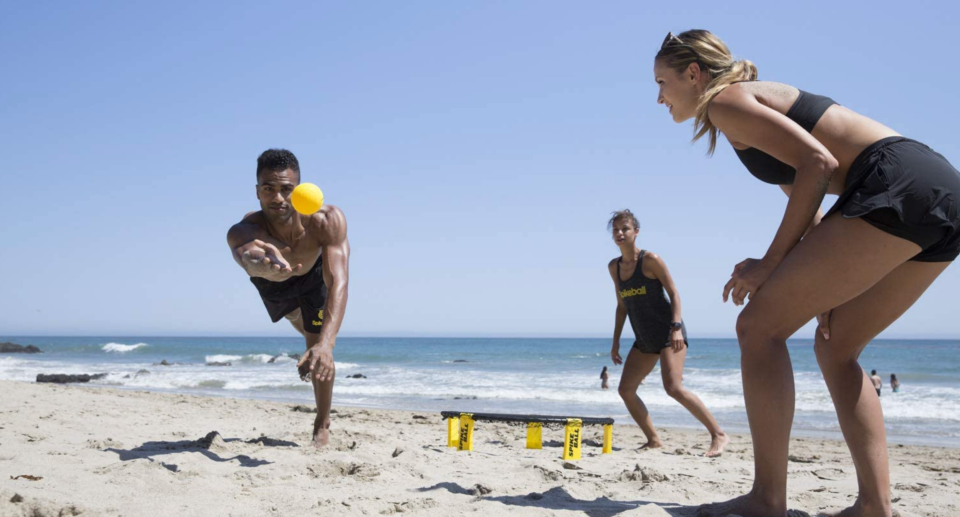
(857, 510)
(652, 444)
(717, 444)
(743, 506)
(321, 432)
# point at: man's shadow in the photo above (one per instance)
(557, 498)
(151, 449)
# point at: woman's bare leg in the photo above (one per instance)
(838, 261)
(852, 326)
(637, 366)
(671, 368)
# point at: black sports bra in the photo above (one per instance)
(806, 112)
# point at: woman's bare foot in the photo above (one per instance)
(652, 444)
(744, 506)
(321, 432)
(717, 444)
(857, 510)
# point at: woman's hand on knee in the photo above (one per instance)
(747, 278)
(824, 321)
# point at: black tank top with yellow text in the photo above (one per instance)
(647, 307)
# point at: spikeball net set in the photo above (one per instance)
(460, 430)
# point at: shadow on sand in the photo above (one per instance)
(150, 450)
(559, 499)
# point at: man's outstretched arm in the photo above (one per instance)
(335, 250)
(257, 257)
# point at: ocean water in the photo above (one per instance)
(544, 376)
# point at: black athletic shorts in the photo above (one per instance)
(908, 190)
(306, 292)
(655, 346)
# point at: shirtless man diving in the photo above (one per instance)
(299, 264)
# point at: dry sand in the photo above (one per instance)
(102, 451)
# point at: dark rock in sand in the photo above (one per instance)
(479, 490)
(303, 409)
(63, 378)
(13, 348)
(209, 440)
(219, 364)
(17, 498)
(357, 376)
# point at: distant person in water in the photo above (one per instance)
(894, 383)
(642, 282)
(876, 380)
(604, 379)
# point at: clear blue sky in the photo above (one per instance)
(477, 149)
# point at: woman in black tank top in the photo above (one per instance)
(894, 228)
(642, 282)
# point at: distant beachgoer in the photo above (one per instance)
(604, 379)
(642, 281)
(876, 380)
(272, 245)
(894, 228)
(894, 383)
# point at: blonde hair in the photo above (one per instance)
(714, 58)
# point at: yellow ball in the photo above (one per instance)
(306, 198)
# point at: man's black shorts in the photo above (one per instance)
(306, 292)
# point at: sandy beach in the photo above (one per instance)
(104, 451)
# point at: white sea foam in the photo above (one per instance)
(556, 387)
(121, 348)
(222, 358)
(720, 390)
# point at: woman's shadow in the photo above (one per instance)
(557, 498)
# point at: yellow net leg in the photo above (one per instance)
(465, 442)
(607, 439)
(453, 431)
(534, 435)
(571, 439)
